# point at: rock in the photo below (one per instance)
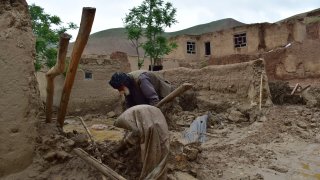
(263, 119)
(191, 153)
(313, 125)
(258, 177)
(206, 174)
(80, 140)
(302, 125)
(278, 169)
(50, 156)
(62, 155)
(287, 122)
(219, 173)
(237, 117)
(313, 120)
(70, 143)
(111, 114)
(183, 176)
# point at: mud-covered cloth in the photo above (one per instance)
(148, 126)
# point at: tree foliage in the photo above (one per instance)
(47, 29)
(149, 20)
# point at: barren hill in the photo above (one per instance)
(110, 40)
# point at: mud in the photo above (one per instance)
(279, 142)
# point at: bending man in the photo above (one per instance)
(148, 128)
(140, 87)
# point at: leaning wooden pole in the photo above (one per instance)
(81, 41)
(261, 91)
(104, 169)
(55, 71)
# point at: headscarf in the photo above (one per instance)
(119, 79)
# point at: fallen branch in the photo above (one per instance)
(87, 130)
(104, 169)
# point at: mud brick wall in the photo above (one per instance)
(235, 82)
(94, 95)
(19, 95)
(299, 61)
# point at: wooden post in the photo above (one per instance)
(54, 71)
(261, 91)
(104, 169)
(81, 41)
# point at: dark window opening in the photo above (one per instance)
(207, 48)
(88, 75)
(191, 47)
(240, 40)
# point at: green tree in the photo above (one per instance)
(149, 20)
(47, 37)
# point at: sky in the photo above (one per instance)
(110, 13)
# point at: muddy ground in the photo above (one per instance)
(278, 142)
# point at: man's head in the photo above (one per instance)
(121, 81)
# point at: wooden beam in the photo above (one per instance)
(104, 169)
(55, 71)
(181, 89)
(81, 41)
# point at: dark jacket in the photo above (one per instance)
(147, 88)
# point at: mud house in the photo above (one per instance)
(247, 39)
(91, 91)
(289, 48)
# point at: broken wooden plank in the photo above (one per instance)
(295, 89)
(104, 169)
(79, 45)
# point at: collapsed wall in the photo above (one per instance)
(91, 91)
(238, 83)
(19, 96)
(298, 61)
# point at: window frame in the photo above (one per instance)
(240, 40)
(85, 75)
(191, 47)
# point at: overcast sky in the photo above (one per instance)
(109, 13)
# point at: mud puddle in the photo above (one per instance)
(100, 128)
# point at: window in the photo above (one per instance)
(191, 47)
(207, 48)
(87, 75)
(240, 40)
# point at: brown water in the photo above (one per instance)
(109, 132)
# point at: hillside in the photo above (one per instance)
(110, 40)
(208, 27)
(307, 17)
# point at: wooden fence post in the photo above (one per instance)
(81, 41)
(54, 71)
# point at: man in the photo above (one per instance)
(140, 87)
(147, 127)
